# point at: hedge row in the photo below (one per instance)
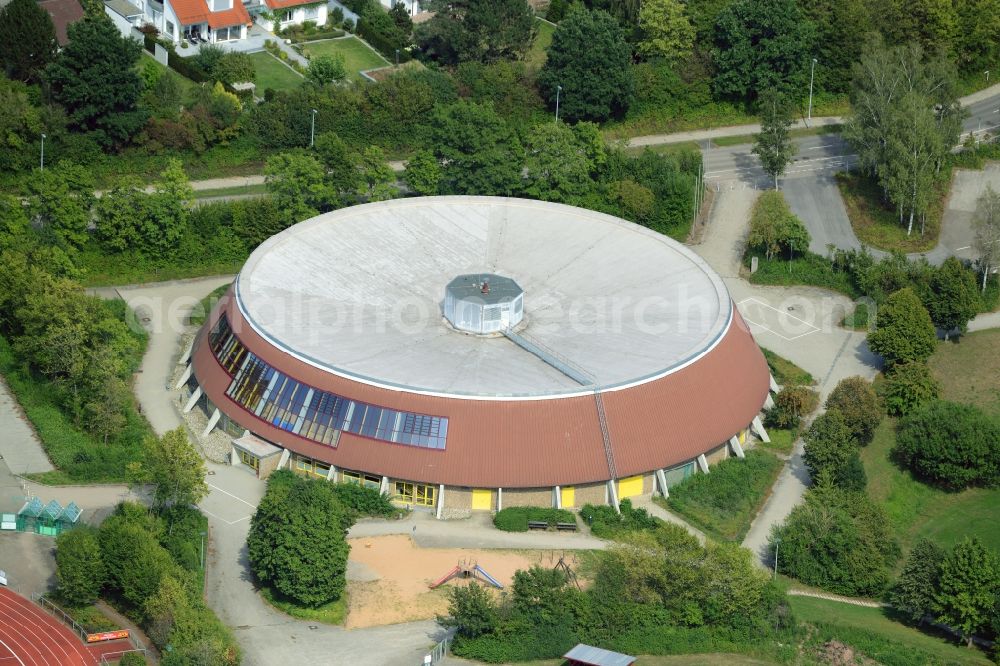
(516, 519)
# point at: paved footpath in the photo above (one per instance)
(19, 446)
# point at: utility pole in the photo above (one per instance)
(558, 92)
(777, 542)
(312, 131)
(812, 73)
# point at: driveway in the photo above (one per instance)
(817, 202)
(798, 323)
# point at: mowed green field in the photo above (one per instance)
(969, 371)
(536, 54)
(358, 56)
(835, 613)
(273, 74)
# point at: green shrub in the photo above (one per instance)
(132, 659)
(855, 399)
(724, 502)
(516, 519)
(858, 319)
(364, 501)
(774, 229)
(908, 387)
(607, 524)
(951, 445)
(805, 269)
(790, 405)
(785, 372)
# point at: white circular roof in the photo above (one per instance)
(358, 292)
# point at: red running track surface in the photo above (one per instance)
(31, 637)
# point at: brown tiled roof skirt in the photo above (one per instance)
(526, 443)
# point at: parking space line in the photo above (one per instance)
(225, 492)
(228, 522)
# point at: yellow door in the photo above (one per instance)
(568, 496)
(482, 499)
(743, 436)
(629, 487)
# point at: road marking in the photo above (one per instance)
(959, 249)
(780, 313)
(824, 145)
(228, 522)
(14, 654)
(226, 492)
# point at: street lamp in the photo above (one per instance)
(987, 73)
(558, 91)
(777, 542)
(42, 166)
(312, 131)
(812, 73)
(203, 534)
(397, 57)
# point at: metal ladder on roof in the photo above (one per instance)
(580, 376)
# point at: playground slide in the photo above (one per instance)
(493, 581)
(445, 578)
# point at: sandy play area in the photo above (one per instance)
(388, 577)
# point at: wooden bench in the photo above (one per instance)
(566, 527)
(537, 525)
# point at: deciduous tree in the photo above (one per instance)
(591, 60)
(299, 185)
(855, 399)
(79, 566)
(176, 469)
(987, 225)
(950, 444)
(908, 387)
(326, 69)
(830, 448)
(913, 594)
(480, 152)
(954, 299)
(423, 173)
(904, 331)
(471, 610)
(556, 165)
(773, 145)
(666, 30)
(968, 585)
(479, 30)
(761, 45)
(59, 200)
(377, 180)
(95, 80)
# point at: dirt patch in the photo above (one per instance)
(402, 593)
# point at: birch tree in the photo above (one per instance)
(987, 225)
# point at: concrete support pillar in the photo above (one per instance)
(769, 402)
(499, 499)
(734, 444)
(758, 428)
(234, 457)
(285, 457)
(193, 400)
(661, 479)
(613, 495)
(774, 385)
(703, 463)
(186, 375)
(557, 495)
(440, 503)
(384, 486)
(186, 356)
(212, 421)
(331, 475)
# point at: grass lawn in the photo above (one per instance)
(200, 312)
(273, 74)
(917, 510)
(879, 226)
(536, 54)
(331, 613)
(969, 369)
(856, 621)
(358, 56)
(782, 441)
(187, 85)
(724, 141)
(723, 503)
(785, 372)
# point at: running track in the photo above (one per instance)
(31, 637)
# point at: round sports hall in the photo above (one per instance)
(476, 353)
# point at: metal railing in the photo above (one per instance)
(60, 615)
(109, 658)
(439, 651)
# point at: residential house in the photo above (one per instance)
(283, 13)
(194, 20)
(63, 12)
